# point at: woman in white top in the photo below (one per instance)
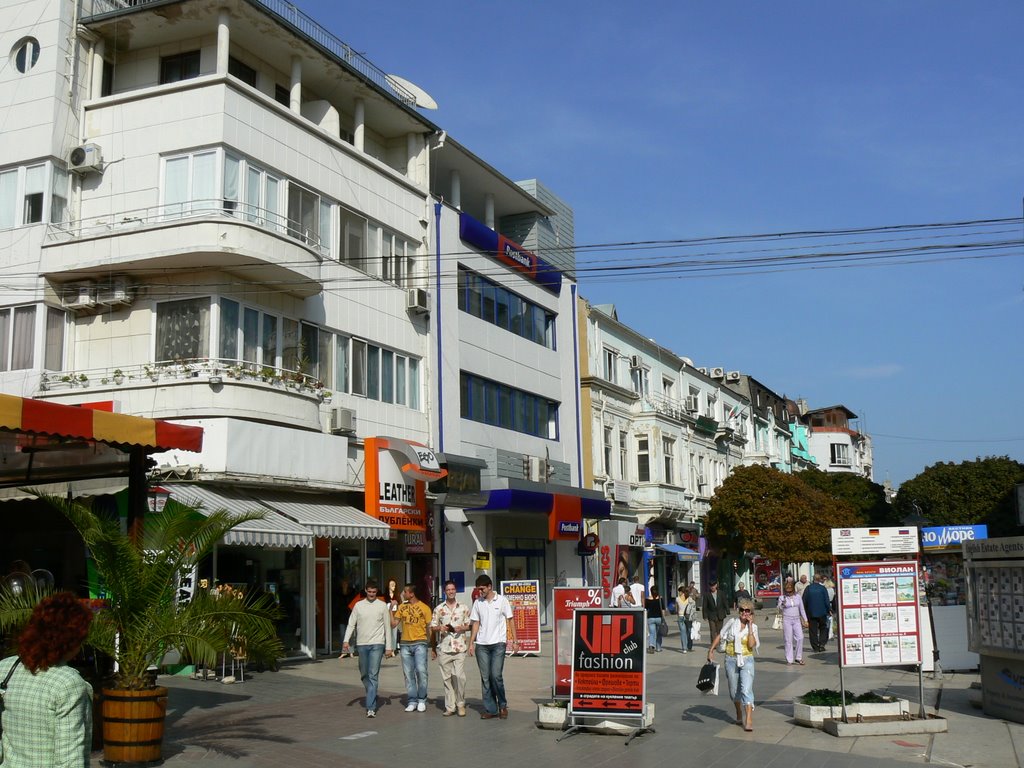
(741, 643)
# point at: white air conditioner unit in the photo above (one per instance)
(82, 296)
(702, 480)
(690, 404)
(343, 421)
(732, 376)
(417, 300)
(635, 361)
(86, 159)
(537, 470)
(717, 373)
(703, 370)
(118, 293)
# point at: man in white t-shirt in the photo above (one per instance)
(492, 630)
(618, 598)
(636, 589)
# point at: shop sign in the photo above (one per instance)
(607, 572)
(415, 542)
(565, 520)
(874, 541)
(878, 614)
(638, 538)
(397, 472)
(482, 561)
(524, 597)
(951, 536)
(462, 486)
(588, 545)
(566, 600)
(767, 577)
(688, 538)
(608, 655)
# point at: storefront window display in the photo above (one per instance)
(944, 578)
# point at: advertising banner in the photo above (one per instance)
(608, 655)
(524, 597)
(565, 601)
(396, 476)
(767, 577)
(878, 614)
(874, 541)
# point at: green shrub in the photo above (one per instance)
(827, 697)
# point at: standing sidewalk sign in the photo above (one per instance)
(608, 663)
(524, 597)
(566, 600)
(878, 614)
(878, 601)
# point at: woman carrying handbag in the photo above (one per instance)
(794, 620)
(741, 643)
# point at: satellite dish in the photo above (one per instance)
(423, 99)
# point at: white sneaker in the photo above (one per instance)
(411, 707)
(421, 707)
(371, 713)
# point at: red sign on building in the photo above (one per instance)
(566, 601)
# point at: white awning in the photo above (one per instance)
(275, 530)
(324, 516)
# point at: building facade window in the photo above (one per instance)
(497, 305)
(490, 402)
(183, 330)
(643, 459)
(242, 71)
(668, 450)
(607, 466)
(25, 54)
(17, 338)
(641, 380)
(611, 364)
(53, 349)
(840, 455)
(180, 66)
(623, 454)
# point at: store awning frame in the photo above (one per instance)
(323, 515)
(683, 554)
(274, 530)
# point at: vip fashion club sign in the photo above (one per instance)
(565, 602)
(608, 663)
(397, 473)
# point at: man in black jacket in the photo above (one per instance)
(817, 606)
(715, 608)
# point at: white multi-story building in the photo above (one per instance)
(835, 444)
(659, 436)
(218, 212)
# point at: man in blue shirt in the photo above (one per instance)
(818, 608)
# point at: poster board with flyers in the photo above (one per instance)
(608, 663)
(995, 596)
(878, 613)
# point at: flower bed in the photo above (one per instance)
(814, 707)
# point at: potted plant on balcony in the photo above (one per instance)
(149, 610)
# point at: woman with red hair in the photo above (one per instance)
(47, 716)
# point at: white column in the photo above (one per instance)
(359, 126)
(456, 190)
(411, 155)
(96, 77)
(295, 101)
(223, 41)
(489, 210)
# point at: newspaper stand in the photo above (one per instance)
(878, 601)
(609, 676)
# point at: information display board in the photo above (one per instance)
(566, 600)
(874, 541)
(524, 597)
(995, 596)
(878, 613)
(608, 655)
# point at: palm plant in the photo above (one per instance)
(142, 617)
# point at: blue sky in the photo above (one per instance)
(681, 120)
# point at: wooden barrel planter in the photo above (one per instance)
(133, 725)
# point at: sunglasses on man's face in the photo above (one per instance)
(745, 610)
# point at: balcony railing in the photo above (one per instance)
(193, 210)
(292, 18)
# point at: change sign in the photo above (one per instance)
(608, 663)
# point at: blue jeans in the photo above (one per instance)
(685, 640)
(653, 636)
(414, 662)
(741, 680)
(369, 670)
(491, 660)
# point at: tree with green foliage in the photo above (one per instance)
(866, 497)
(778, 515)
(968, 493)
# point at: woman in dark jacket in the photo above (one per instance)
(655, 616)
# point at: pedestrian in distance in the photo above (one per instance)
(742, 642)
(817, 608)
(801, 584)
(637, 593)
(414, 617)
(47, 711)
(794, 620)
(492, 631)
(618, 599)
(686, 610)
(742, 593)
(715, 608)
(450, 625)
(370, 627)
(655, 618)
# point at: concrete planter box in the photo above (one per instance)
(813, 717)
(552, 718)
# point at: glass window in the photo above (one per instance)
(487, 301)
(303, 214)
(608, 451)
(228, 329)
(668, 449)
(464, 278)
(372, 372)
(8, 198)
(324, 364)
(59, 196)
(183, 330)
(242, 71)
(414, 384)
(497, 305)
(181, 66)
(309, 350)
(271, 203)
(250, 336)
(5, 332)
(622, 455)
(341, 371)
(643, 460)
(268, 341)
(325, 227)
(176, 185)
(501, 307)
(358, 367)
(253, 189)
(353, 239)
(400, 381)
(35, 187)
(232, 168)
(56, 322)
(500, 405)
(289, 344)
(26, 54)
(387, 376)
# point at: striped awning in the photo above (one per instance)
(274, 530)
(39, 417)
(323, 515)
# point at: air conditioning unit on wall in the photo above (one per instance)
(85, 159)
(82, 296)
(717, 373)
(732, 376)
(343, 421)
(417, 300)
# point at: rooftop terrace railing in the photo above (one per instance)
(291, 17)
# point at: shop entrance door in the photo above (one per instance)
(521, 559)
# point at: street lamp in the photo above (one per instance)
(921, 522)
